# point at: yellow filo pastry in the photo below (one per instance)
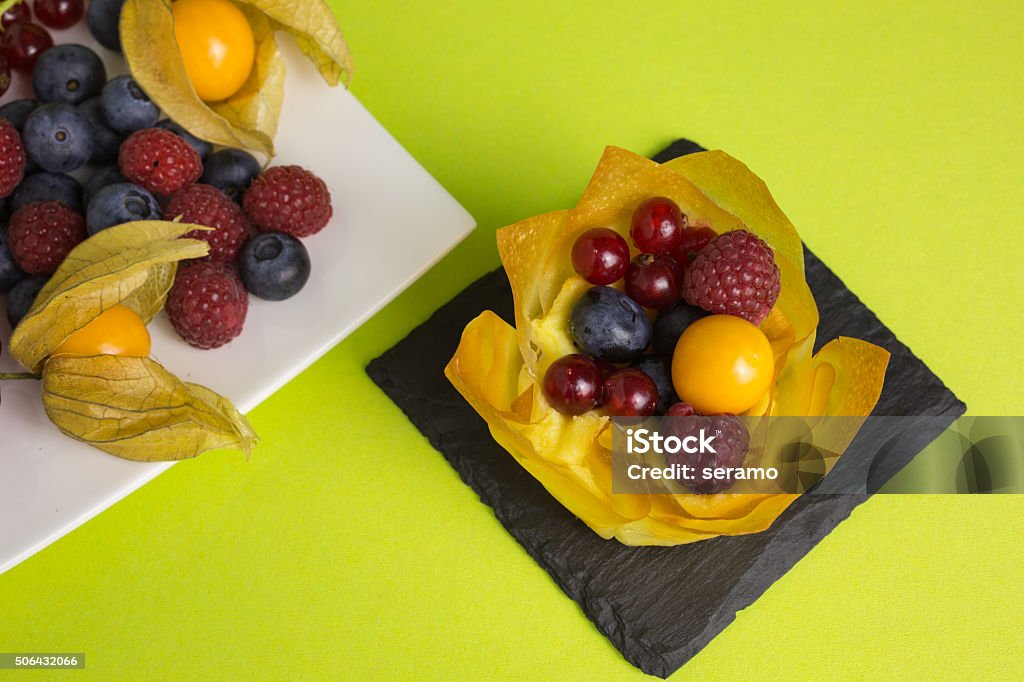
(499, 369)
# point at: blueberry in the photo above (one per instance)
(17, 111)
(22, 296)
(68, 73)
(120, 203)
(274, 266)
(106, 142)
(45, 186)
(10, 273)
(202, 147)
(659, 369)
(100, 178)
(126, 107)
(231, 171)
(104, 17)
(608, 325)
(58, 137)
(670, 324)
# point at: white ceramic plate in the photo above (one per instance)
(392, 221)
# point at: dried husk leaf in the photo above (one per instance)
(248, 119)
(132, 264)
(316, 32)
(498, 368)
(135, 409)
(257, 105)
(149, 46)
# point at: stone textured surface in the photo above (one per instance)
(658, 605)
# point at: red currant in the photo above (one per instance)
(572, 384)
(23, 43)
(59, 13)
(654, 280)
(680, 409)
(600, 256)
(694, 239)
(17, 13)
(657, 225)
(630, 393)
(606, 368)
(5, 75)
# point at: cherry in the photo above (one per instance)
(680, 409)
(23, 43)
(59, 13)
(630, 393)
(600, 256)
(17, 13)
(5, 75)
(694, 239)
(654, 280)
(572, 384)
(657, 225)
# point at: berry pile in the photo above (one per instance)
(135, 166)
(628, 327)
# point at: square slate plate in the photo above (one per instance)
(658, 605)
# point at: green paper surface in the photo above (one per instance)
(891, 135)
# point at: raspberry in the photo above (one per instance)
(207, 304)
(12, 158)
(731, 443)
(735, 274)
(159, 160)
(41, 235)
(288, 199)
(680, 409)
(207, 205)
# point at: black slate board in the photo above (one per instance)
(658, 605)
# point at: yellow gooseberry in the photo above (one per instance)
(216, 44)
(117, 331)
(722, 364)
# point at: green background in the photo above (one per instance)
(891, 135)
